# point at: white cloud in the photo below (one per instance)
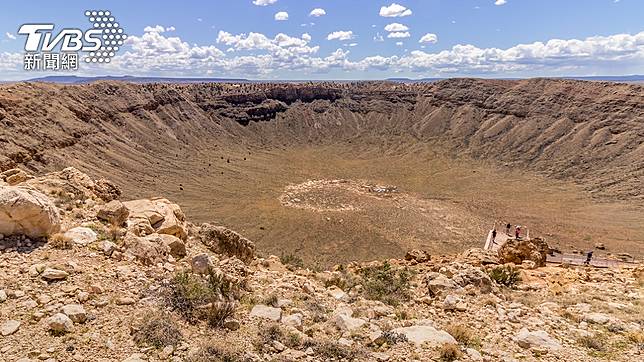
(500, 2)
(317, 12)
(394, 11)
(281, 16)
(340, 35)
(399, 43)
(10, 36)
(158, 29)
(264, 2)
(429, 38)
(396, 27)
(378, 38)
(399, 34)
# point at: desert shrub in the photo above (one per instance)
(596, 342)
(60, 241)
(392, 338)
(449, 352)
(463, 335)
(210, 298)
(332, 350)
(213, 352)
(386, 284)
(292, 261)
(271, 300)
(157, 330)
(274, 332)
(506, 275)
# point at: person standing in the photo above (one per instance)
(494, 235)
(507, 229)
(589, 257)
(517, 232)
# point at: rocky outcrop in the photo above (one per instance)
(71, 183)
(156, 215)
(225, 241)
(25, 211)
(516, 251)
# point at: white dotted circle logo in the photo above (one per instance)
(113, 35)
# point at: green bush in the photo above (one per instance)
(386, 284)
(505, 275)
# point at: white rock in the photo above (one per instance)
(9, 327)
(337, 293)
(108, 247)
(201, 263)
(597, 318)
(474, 354)
(51, 274)
(75, 312)
(3, 295)
(27, 212)
(540, 339)
(422, 334)
(266, 312)
(347, 323)
(81, 235)
(60, 323)
(293, 320)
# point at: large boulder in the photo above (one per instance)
(516, 251)
(536, 339)
(161, 215)
(426, 334)
(14, 176)
(114, 212)
(225, 241)
(71, 183)
(28, 212)
(149, 250)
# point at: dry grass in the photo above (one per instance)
(386, 284)
(449, 352)
(60, 241)
(158, 330)
(463, 334)
(216, 352)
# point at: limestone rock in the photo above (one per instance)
(163, 216)
(293, 320)
(14, 176)
(419, 256)
(225, 241)
(147, 250)
(60, 323)
(81, 235)
(75, 312)
(597, 318)
(422, 334)
(27, 212)
(266, 312)
(348, 323)
(51, 274)
(516, 251)
(73, 182)
(9, 327)
(114, 213)
(539, 339)
(201, 264)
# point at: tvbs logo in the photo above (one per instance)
(46, 50)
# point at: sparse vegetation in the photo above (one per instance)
(392, 338)
(386, 284)
(60, 241)
(596, 342)
(449, 352)
(158, 330)
(463, 335)
(274, 332)
(292, 261)
(332, 350)
(211, 298)
(506, 275)
(216, 352)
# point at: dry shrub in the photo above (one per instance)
(462, 334)
(216, 352)
(158, 330)
(505, 275)
(274, 332)
(210, 298)
(334, 351)
(60, 241)
(450, 352)
(596, 342)
(386, 284)
(292, 261)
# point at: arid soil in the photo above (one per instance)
(564, 158)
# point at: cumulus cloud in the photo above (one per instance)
(429, 38)
(281, 16)
(500, 2)
(340, 35)
(399, 34)
(317, 12)
(394, 11)
(396, 27)
(158, 29)
(10, 36)
(378, 38)
(264, 2)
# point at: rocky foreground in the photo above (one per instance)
(85, 276)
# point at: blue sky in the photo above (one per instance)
(350, 39)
